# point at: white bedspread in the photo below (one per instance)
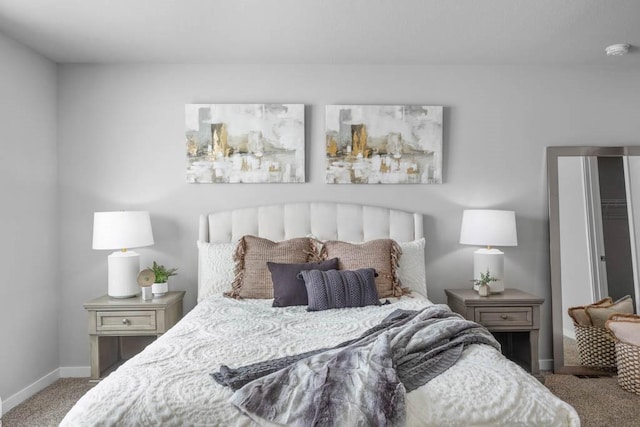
(169, 384)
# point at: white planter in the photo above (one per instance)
(484, 291)
(160, 289)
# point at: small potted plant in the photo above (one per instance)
(483, 283)
(161, 285)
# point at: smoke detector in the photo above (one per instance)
(617, 49)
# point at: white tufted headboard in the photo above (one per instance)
(323, 220)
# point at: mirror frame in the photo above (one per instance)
(553, 153)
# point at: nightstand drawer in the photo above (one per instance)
(504, 316)
(125, 321)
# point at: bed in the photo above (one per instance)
(169, 383)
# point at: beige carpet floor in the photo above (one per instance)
(599, 402)
(49, 406)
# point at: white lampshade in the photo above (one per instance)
(122, 230)
(482, 227)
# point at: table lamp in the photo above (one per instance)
(122, 230)
(483, 227)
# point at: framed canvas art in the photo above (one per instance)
(245, 143)
(383, 144)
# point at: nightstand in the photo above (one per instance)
(119, 328)
(512, 316)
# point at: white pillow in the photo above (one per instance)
(215, 268)
(411, 269)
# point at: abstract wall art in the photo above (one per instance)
(383, 144)
(245, 143)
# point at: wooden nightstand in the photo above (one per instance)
(118, 327)
(512, 316)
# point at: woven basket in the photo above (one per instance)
(596, 347)
(628, 358)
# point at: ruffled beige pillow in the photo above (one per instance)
(579, 314)
(600, 314)
(381, 255)
(625, 327)
(252, 275)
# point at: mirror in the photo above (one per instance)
(594, 233)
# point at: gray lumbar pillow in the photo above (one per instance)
(340, 288)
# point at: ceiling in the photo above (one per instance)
(563, 32)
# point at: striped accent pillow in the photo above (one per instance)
(340, 288)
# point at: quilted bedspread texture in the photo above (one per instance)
(169, 383)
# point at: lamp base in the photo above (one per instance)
(491, 260)
(123, 273)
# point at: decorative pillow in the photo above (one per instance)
(340, 288)
(600, 314)
(624, 317)
(381, 255)
(252, 277)
(625, 327)
(288, 288)
(215, 268)
(579, 314)
(411, 269)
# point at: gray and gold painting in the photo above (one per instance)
(383, 144)
(245, 143)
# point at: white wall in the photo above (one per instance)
(122, 146)
(28, 219)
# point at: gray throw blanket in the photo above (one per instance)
(363, 381)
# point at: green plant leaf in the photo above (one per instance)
(485, 279)
(162, 273)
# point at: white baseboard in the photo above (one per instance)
(75, 371)
(13, 401)
(47, 380)
(546, 364)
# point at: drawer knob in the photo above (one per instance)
(125, 321)
(504, 316)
